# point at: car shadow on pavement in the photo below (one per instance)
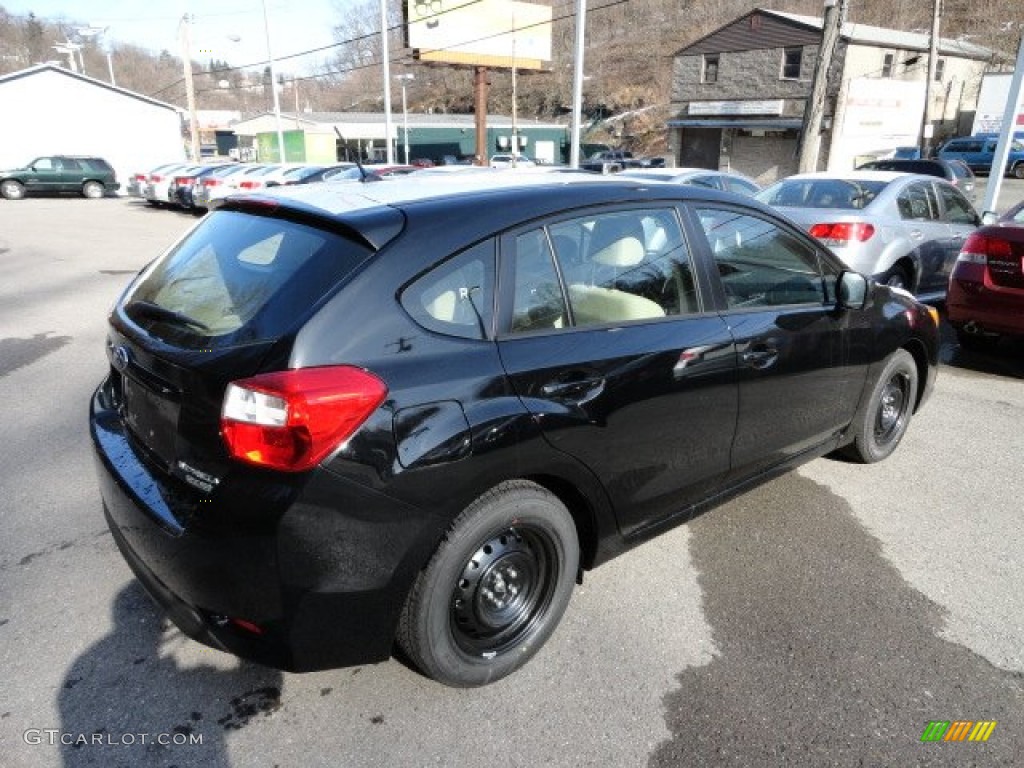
(1006, 358)
(128, 700)
(826, 656)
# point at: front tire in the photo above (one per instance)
(12, 190)
(885, 420)
(1018, 171)
(495, 589)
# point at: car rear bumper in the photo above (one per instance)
(985, 310)
(316, 583)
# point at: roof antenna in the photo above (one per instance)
(364, 177)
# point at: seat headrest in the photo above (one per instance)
(624, 252)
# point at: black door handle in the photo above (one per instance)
(578, 390)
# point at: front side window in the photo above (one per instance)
(957, 209)
(710, 68)
(791, 59)
(43, 164)
(761, 264)
(887, 65)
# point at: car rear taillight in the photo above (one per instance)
(291, 420)
(140, 177)
(250, 184)
(156, 178)
(212, 182)
(842, 232)
(989, 255)
(183, 181)
(978, 248)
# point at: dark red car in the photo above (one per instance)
(986, 288)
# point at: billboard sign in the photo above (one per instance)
(489, 33)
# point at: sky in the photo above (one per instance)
(295, 25)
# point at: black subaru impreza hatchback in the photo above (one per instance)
(418, 411)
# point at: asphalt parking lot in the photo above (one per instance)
(823, 619)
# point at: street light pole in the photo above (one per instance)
(273, 86)
(386, 64)
(408, 76)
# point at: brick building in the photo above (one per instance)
(739, 93)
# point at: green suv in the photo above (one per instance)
(91, 177)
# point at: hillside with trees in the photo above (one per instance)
(630, 44)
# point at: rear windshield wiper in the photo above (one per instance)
(158, 312)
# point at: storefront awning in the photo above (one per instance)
(756, 123)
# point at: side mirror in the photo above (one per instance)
(988, 218)
(852, 290)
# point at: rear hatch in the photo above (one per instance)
(222, 304)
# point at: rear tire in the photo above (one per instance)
(883, 423)
(93, 190)
(12, 190)
(495, 589)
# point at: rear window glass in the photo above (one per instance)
(822, 193)
(239, 278)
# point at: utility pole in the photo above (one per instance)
(190, 90)
(927, 129)
(810, 142)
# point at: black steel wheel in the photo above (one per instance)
(882, 424)
(495, 589)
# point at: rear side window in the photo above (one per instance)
(606, 268)
(239, 278)
(918, 203)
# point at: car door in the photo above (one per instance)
(43, 176)
(797, 388)
(927, 232)
(961, 218)
(606, 341)
(70, 174)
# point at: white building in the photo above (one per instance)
(48, 110)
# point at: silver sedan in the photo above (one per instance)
(904, 230)
(696, 177)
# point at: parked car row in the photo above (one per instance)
(197, 186)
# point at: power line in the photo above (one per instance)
(358, 39)
(400, 59)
